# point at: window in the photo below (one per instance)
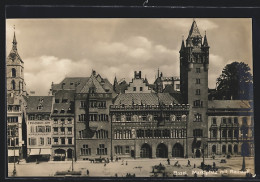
(48, 129)
(224, 121)
(40, 129)
(197, 117)
(82, 117)
(235, 120)
(63, 141)
(55, 140)
(57, 100)
(118, 149)
(224, 133)
(12, 119)
(230, 133)
(13, 85)
(235, 148)
(197, 70)
(134, 89)
(69, 130)
(55, 111)
(62, 121)
(229, 120)
(198, 103)
(46, 117)
(55, 130)
(244, 120)
(32, 141)
(62, 111)
(197, 81)
(214, 121)
(197, 133)
(55, 121)
(64, 100)
(41, 141)
(39, 107)
(70, 141)
(39, 117)
(13, 72)
(141, 89)
(82, 104)
(48, 140)
(214, 149)
(214, 133)
(62, 130)
(32, 129)
(101, 150)
(69, 121)
(197, 91)
(224, 149)
(177, 86)
(127, 149)
(236, 133)
(85, 150)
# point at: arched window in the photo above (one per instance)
(235, 148)
(214, 149)
(13, 72)
(13, 84)
(224, 149)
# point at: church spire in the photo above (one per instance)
(14, 41)
(205, 43)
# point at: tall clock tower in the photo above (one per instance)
(194, 64)
(15, 72)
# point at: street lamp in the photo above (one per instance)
(243, 152)
(203, 152)
(14, 171)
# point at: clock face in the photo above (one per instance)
(12, 55)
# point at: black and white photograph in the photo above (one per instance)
(130, 97)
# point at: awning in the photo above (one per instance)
(13, 152)
(45, 151)
(39, 151)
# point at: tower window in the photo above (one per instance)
(197, 133)
(141, 89)
(197, 81)
(13, 72)
(197, 91)
(134, 89)
(197, 70)
(13, 84)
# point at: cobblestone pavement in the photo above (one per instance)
(139, 167)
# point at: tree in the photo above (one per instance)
(235, 82)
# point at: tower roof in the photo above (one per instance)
(205, 42)
(194, 30)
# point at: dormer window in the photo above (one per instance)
(39, 107)
(55, 111)
(57, 100)
(62, 111)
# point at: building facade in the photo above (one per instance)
(231, 128)
(63, 145)
(39, 128)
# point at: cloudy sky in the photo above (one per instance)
(55, 48)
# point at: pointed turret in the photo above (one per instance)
(14, 43)
(205, 42)
(182, 44)
(115, 85)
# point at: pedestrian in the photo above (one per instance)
(195, 175)
(122, 162)
(105, 164)
(168, 160)
(116, 175)
(87, 172)
(188, 162)
(194, 165)
(126, 163)
(214, 164)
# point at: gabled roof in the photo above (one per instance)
(71, 83)
(229, 104)
(92, 82)
(194, 30)
(35, 101)
(145, 98)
